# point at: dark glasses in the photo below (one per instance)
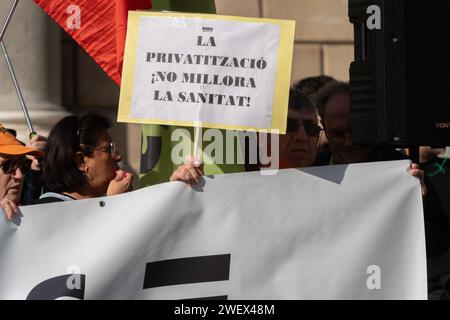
(311, 129)
(10, 166)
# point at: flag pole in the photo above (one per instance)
(11, 69)
(8, 19)
(197, 141)
(197, 133)
(18, 91)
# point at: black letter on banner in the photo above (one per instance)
(187, 270)
(57, 287)
(150, 158)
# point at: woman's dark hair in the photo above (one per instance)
(70, 135)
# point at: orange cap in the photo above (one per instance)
(10, 146)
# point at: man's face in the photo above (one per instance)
(338, 132)
(298, 147)
(11, 177)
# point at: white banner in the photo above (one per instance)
(338, 232)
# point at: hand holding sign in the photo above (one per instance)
(189, 173)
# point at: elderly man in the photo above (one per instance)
(13, 166)
(333, 104)
(334, 108)
(298, 147)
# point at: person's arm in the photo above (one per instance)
(39, 143)
(9, 207)
(32, 187)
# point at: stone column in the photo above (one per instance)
(33, 43)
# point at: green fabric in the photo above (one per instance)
(199, 6)
(164, 166)
(162, 170)
(159, 5)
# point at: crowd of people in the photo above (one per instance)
(79, 160)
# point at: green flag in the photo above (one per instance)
(156, 162)
(199, 6)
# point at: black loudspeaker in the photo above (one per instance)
(400, 79)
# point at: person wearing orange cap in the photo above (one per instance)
(13, 166)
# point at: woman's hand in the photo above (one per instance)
(121, 183)
(9, 207)
(189, 173)
(39, 143)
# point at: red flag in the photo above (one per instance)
(99, 27)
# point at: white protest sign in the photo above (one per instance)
(226, 73)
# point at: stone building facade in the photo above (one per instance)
(58, 78)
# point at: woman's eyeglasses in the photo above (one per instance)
(10, 166)
(110, 148)
(311, 129)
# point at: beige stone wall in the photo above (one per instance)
(323, 35)
(33, 46)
